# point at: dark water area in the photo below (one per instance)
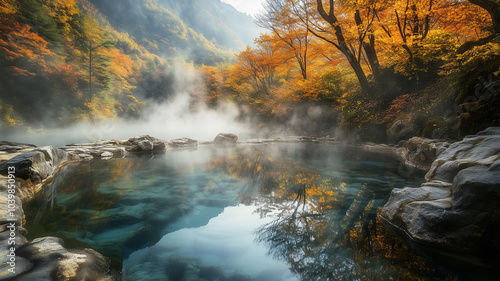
(254, 212)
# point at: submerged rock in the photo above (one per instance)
(457, 208)
(224, 139)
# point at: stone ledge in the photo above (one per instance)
(457, 208)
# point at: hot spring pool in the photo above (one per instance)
(254, 212)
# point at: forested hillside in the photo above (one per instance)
(65, 61)
(384, 70)
(428, 68)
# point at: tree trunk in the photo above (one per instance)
(493, 7)
(371, 55)
(342, 45)
(90, 69)
(368, 47)
(356, 66)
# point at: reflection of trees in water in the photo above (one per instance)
(91, 202)
(322, 229)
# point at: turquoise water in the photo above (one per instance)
(256, 212)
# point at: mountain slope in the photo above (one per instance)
(217, 21)
(159, 30)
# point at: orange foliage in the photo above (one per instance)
(398, 105)
(404, 36)
(17, 41)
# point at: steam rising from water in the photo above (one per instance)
(168, 120)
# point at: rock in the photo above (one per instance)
(30, 165)
(36, 165)
(400, 130)
(85, 157)
(422, 151)
(457, 208)
(224, 139)
(22, 266)
(41, 249)
(14, 146)
(145, 145)
(5, 214)
(477, 188)
(106, 155)
(183, 142)
(52, 260)
(54, 156)
(447, 171)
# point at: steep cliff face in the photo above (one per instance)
(457, 208)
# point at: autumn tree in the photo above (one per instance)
(493, 8)
(417, 36)
(260, 65)
(409, 20)
(282, 18)
(334, 26)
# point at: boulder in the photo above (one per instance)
(52, 261)
(22, 266)
(37, 165)
(145, 143)
(224, 139)
(400, 130)
(457, 208)
(31, 165)
(183, 142)
(421, 152)
(106, 155)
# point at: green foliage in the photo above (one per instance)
(36, 16)
(330, 87)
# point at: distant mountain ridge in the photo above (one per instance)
(216, 21)
(199, 29)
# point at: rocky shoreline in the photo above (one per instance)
(47, 259)
(457, 209)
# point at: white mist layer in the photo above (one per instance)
(169, 120)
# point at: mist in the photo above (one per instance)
(169, 119)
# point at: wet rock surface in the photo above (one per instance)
(10, 147)
(183, 142)
(225, 139)
(457, 208)
(50, 260)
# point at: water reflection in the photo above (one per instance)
(326, 228)
(277, 212)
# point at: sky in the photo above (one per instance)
(250, 7)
